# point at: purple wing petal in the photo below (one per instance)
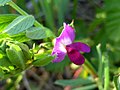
(59, 57)
(80, 46)
(58, 47)
(68, 35)
(58, 50)
(75, 56)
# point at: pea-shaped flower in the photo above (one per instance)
(64, 45)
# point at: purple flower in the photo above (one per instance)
(64, 45)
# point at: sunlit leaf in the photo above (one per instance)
(2, 2)
(4, 36)
(6, 19)
(38, 33)
(20, 24)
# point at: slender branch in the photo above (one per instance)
(106, 72)
(100, 67)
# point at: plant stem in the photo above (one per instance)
(100, 71)
(100, 60)
(106, 72)
(22, 12)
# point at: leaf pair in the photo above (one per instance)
(20, 24)
(23, 24)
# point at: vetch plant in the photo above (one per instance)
(64, 45)
(16, 55)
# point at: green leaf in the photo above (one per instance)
(112, 19)
(2, 2)
(42, 59)
(21, 37)
(4, 61)
(87, 87)
(6, 19)
(73, 82)
(117, 82)
(16, 56)
(25, 49)
(20, 24)
(38, 33)
(4, 36)
(1, 74)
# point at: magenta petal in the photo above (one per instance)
(58, 47)
(58, 50)
(70, 30)
(75, 56)
(68, 35)
(59, 57)
(80, 46)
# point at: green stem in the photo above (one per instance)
(100, 67)
(106, 72)
(22, 12)
(100, 60)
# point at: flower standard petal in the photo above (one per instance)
(68, 35)
(70, 30)
(75, 56)
(80, 46)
